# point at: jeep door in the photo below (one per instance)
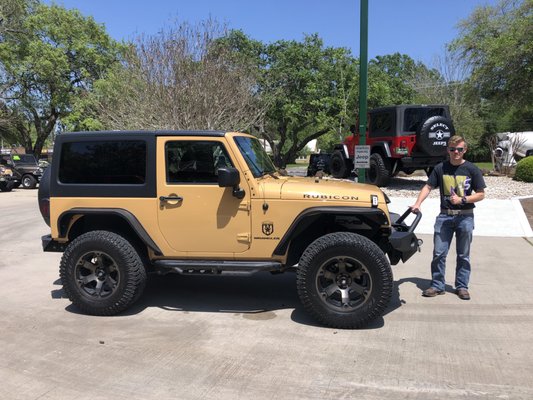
(195, 215)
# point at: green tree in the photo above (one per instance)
(53, 57)
(307, 90)
(391, 79)
(496, 42)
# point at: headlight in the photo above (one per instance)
(40, 170)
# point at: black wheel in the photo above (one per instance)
(344, 280)
(379, 172)
(433, 135)
(29, 182)
(338, 165)
(102, 274)
(6, 186)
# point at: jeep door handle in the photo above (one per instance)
(170, 198)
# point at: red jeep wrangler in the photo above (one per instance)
(401, 138)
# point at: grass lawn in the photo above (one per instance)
(484, 165)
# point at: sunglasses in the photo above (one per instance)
(454, 149)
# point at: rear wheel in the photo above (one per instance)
(102, 274)
(344, 280)
(338, 165)
(379, 172)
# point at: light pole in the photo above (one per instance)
(363, 81)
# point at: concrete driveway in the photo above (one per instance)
(248, 338)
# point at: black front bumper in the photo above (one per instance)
(50, 245)
(403, 241)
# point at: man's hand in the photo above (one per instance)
(415, 208)
(454, 199)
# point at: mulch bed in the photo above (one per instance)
(527, 205)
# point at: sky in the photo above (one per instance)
(418, 28)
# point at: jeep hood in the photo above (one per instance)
(313, 189)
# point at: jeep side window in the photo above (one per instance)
(112, 162)
(382, 124)
(195, 161)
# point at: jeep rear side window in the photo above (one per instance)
(195, 161)
(382, 124)
(103, 162)
(413, 117)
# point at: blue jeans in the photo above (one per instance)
(445, 227)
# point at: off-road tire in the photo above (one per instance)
(348, 262)
(105, 258)
(6, 187)
(379, 172)
(29, 182)
(338, 166)
(434, 130)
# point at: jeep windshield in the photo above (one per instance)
(24, 159)
(256, 157)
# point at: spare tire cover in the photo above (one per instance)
(433, 135)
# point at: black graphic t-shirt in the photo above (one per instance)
(461, 179)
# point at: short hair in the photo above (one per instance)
(457, 139)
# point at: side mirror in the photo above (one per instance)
(229, 177)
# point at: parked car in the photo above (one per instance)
(25, 168)
(123, 204)
(7, 180)
(401, 138)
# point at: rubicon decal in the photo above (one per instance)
(318, 196)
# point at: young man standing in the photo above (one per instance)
(461, 185)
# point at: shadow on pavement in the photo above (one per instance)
(256, 296)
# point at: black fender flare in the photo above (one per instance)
(374, 217)
(133, 222)
(344, 149)
(381, 147)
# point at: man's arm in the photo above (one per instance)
(424, 193)
(473, 198)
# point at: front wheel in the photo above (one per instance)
(29, 182)
(344, 280)
(101, 273)
(6, 186)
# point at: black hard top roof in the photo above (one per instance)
(403, 106)
(145, 133)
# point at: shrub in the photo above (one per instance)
(524, 170)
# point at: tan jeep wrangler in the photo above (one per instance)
(124, 204)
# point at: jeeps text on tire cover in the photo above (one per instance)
(124, 204)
